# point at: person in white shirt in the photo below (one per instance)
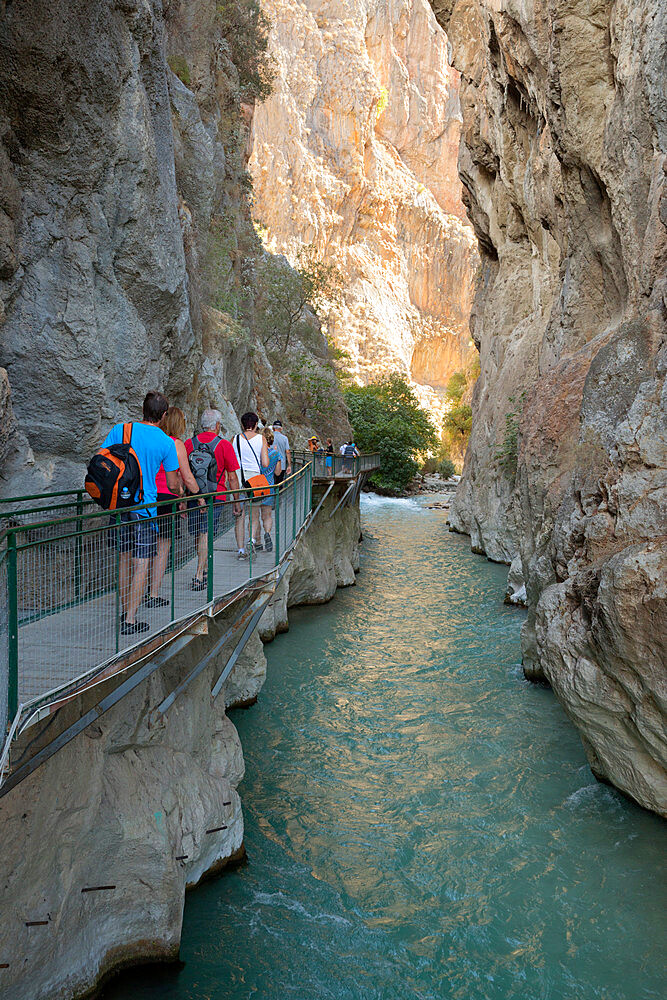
(252, 453)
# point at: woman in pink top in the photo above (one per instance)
(172, 424)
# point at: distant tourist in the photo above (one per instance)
(313, 444)
(214, 465)
(329, 461)
(271, 470)
(282, 444)
(137, 535)
(349, 452)
(173, 424)
(252, 453)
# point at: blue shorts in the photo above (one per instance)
(135, 534)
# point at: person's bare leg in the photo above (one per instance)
(267, 518)
(239, 530)
(255, 523)
(124, 578)
(202, 556)
(139, 575)
(159, 565)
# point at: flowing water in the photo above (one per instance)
(420, 821)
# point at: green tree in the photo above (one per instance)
(245, 27)
(286, 292)
(387, 418)
(457, 423)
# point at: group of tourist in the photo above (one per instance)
(182, 470)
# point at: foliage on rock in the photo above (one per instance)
(245, 28)
(457, 423)
(387, 418)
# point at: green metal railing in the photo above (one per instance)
(63, 578)
(335, 466)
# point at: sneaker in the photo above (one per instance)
(257, 546)
(198, 584)
(242, 554)
(155, 602)
(133, 628)
(268, 544)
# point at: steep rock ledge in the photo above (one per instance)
(144, 805)
(355, 155)
(563, 164)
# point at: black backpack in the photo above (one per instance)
(349, 451)
(114, 475)
(203, 464)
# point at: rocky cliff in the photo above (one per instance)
(563, 164)
(128, 259)
(354, 156)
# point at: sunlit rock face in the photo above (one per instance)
(563, 164)
(355, 155)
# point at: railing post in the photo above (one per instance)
(209, 574)
(250, 542)
(78, 546)
(117, 582)
(13, 623)
(174, 508)
(277, 526)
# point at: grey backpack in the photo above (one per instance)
(203, 464)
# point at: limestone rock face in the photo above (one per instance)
(126, 242)
(354, 155)
(563, 164)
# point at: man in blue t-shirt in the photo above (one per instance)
(137, 535)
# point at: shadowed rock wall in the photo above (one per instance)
(126, 243)
(563, 164)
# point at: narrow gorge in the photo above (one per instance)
(254, 205)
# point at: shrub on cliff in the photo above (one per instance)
(245, 28)
(458, 420)
(388, 419)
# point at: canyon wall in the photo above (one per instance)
(563, 164)
(128, 259)
(354, 158)
(142, 805)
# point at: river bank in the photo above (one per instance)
(420, 820)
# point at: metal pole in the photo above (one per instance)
(117, 529)
(250, 542)
(78, 545)
(174, 508)
(209, 581)
(13, 647)
(277, 526)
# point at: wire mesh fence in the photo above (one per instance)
(330, 466)
(81, 591)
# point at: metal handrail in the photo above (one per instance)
(336, 466)
(68, 570)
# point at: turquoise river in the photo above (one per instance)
(421, 822)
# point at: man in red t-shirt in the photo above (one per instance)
(227, 463)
